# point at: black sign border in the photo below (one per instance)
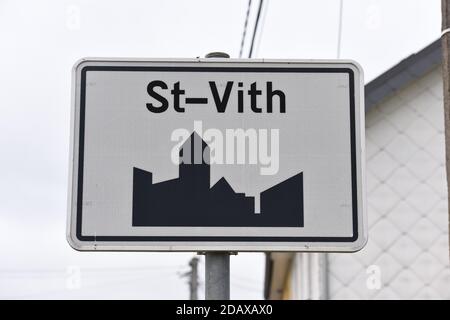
(97, 238)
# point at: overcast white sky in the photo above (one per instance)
(41, 40)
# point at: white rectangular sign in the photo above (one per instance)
(217, 154)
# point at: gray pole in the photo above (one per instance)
(217, 54)
(445, 7)
(217, 276)
(217, 264)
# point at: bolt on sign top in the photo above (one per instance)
(217, 155)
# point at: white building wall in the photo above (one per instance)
(407, 255)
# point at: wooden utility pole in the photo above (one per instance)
(192, 275)
(445, 7)
(193, 279)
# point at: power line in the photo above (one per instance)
(88, 270)
(59, 292)
(245, 287)
(244, 279)
(255, 28)
(341, 7)
(244, 33)
(261, 28)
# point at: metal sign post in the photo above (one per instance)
(217, 264)
(217, 276)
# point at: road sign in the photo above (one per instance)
(217, 155)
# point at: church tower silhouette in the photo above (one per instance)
(194, 168)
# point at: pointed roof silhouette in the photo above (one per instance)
(194, 154)
(223, 186)
(196, 138)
